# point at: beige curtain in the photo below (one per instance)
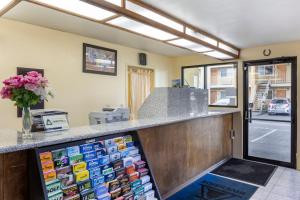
(140, 84)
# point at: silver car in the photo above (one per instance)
(279, 106)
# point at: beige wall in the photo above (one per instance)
(278, 50)
(60, 54)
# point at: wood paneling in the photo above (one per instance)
(181, 151)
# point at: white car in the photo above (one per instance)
(279, 106)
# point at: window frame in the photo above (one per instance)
(205, 66)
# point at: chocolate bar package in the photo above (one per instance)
(78, 167)
(94, 172)
(61, 162)
(97, 181)
(117, 164)
(53, 187)
(128, 161)
(59, 153)
(84, 185)
(135, 184)
(106, 196)
(47, 166)
(150, 195)
(73, 151)
(104, 160)
(134, 176)
(75, 159)
(124, 153)
(109, 142)
(56, 196)
(49, 175)
(88, 195)
(118, 140)
(136, 157)
(140, 164)
(114, 156)
(98, 145)
(86, 148)
(128, 196)
(67, 180)
(112, 149)
(125, 189)
(104, 167)
(92, 163)
(61, 172)
(138, 192)
(113, 185)
(89, 155)
(46, 156)
(120, 172)
(107, 171)
(129, 144)
(82, 176)
(145, 179)
(147, 187)
(121, 147)
(127, 138)
(75, 197)
(130, 169)
(143, 172)
(116, 193)
(124, 180)
(70, 191)
(109, 177)
(100, 190)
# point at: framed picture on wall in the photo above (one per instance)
(99, 60)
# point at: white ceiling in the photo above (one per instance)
(38, 15)
(244, 23)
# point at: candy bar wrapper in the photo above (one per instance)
(86, 148)
(104, 167)
(143, 172)
(67, 180)
(94, 172)
(117, 164)
(107, 171)
(73, 151)
(145, 179)
(88, 195)
(116, 193)
(136, 157)
(75, 197)
(115, 156)
(104, 160)
(92, 163)
(113, 185)
(129, 144)
(84, 185)
(53, 187)
(133, 151)
(98, 145)
(47, 166)
(134, 176)
(78, 167)
(127, 138)
(121, 147)
(75, 159)
(135, 184)
(120, 198)
(127, 161)
(109, 142)
(126, 189)
(128, 196)
(61, 162)
(82, 176)
(124, 153)
(89, 155)
(101, 152)
(138, 192)
(57, 196)
(147, 187)
(112, 149)
(50, 175)
(46, 157)
(140, 164)
(124, 180)
(150, 195)
(59, 153)
(70, 191)
(101, 190)
(106, 196)
(61, 172)
(118, 140)
(109, 177)
(130, 169)
(120, 172)
(97, 181)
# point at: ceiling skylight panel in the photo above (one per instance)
(189, 45)
(201, 37)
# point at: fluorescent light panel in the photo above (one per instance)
(153, 16)
(189, 45)
(116, 2)
(80, 8)
(5, 3)
(141, 28)
(200, 36)
(228, 48)
(218, 55)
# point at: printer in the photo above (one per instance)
(109, 115)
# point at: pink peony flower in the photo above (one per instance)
(15, 81)
(34, 74)
(6, 92)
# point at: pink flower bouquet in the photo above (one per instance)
(26, 90)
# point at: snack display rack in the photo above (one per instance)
(100, 168)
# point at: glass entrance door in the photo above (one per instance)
(269, 117)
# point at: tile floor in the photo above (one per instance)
(284, 185)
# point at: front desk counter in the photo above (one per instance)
(176, 149)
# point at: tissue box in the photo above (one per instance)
(127, 161)
(75, 197)
(101, 152)
(112, 149)
(134, 176)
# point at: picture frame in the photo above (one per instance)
(99, 60)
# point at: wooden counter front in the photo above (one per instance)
(181, 151)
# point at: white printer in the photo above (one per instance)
(109, 115)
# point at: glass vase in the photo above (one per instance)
(26, 123)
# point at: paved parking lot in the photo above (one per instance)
(268, 139)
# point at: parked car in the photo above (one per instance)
(279, 106)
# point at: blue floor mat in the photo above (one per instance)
(211, 187)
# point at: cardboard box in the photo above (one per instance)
(75, 159)
(109, 177)
(100, 190)
(97, 181)
(70, 191)
(124, 180)
(94, 172)
(93, 163)
(104, 160)
(59, 153)
(82, 176)
(143, 172)
(114, 156)
(78, 167)
(57, 196)
(145, 179)
(73, 151)
(46, 157)
(61, 162)
(84, 185)
(49, 176)
(86, 148)
(117, 164)
(53, 187)
(88, 195)
(87, 156)
(47, 166)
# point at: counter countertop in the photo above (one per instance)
(10, 141)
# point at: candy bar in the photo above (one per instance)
(143, 172)
(59, 153)
(104, 197)
(124, 180)
(52, 187)
(149, 195)
(113, 185)
(127, 161)
(109, 177)
(49, 175)
(88, 195)
(75, 159)
(92, 163)
(130, 169)
(61, 162)
(118, 140)
(56, 196)
(107, 171)
(120, 172)
(136, 157)
(94, 172)
(101, 152)
(147, 187)
(97, 181)
(128, 196)
(78, 167)
(89, 155)
(73, 151)
(100, 190)
(135, 184)
(140, 164)
(109, 142)
(84, 185)
(75, 197)
(67, 180)
(61, 172)
(117, 164)
(127, 138)
(103, 160)
(70, 191)
(145, 179)
(116, 193)
(124, 153)
(47, 166)
(86, 148)
(120, 198)
(82, 176)
(46, 156)
(138, 192)
(134, 176)
(98, 145)
(104, 167)
(114, 156)
(126, 188)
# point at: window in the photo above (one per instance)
(265, 70)
(219, 79)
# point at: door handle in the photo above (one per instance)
(248, 116)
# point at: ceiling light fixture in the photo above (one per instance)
(218, 55)
(189, 45)
(228, 48)
(116, 2)
(5, 3)
(78, 7)
(140, 28)
(200, 36)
